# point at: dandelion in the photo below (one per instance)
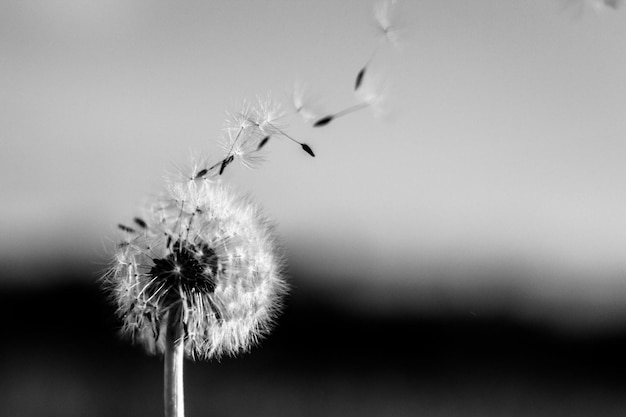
(199, 275)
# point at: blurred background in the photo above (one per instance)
(455, 251)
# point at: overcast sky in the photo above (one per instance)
(500, 144)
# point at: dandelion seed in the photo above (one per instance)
(348, 110)
(226, 162)
(263, 142)
(203, 168)
(209, 170)
(140, 222)
(249, 130)
(126, 229)
(308, 149)
(212, 266)
(201, 173)
(323, 121)
(369, 94)
(267, 116)
(359, 78)
(263, 122)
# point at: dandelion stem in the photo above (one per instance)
(173, 365)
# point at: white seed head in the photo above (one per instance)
(206, 250)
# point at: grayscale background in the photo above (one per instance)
(458, 252)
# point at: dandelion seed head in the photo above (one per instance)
(208, 251)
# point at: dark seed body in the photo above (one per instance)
(126, 229)
(359, 79)
(323, 121)
(307, 149)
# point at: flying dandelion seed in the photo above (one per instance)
(201, 173)
(249, 130)
(267, 116)
(370, 95)
(307, 149)
(386, 30)
(202, 169)
(263, 142)
(348, 110)
(226, 162)
(359, 78)
(240, 138)
(324, 121)
(389, 32)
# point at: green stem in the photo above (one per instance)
(173, 365)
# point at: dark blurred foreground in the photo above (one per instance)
(61, 356)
